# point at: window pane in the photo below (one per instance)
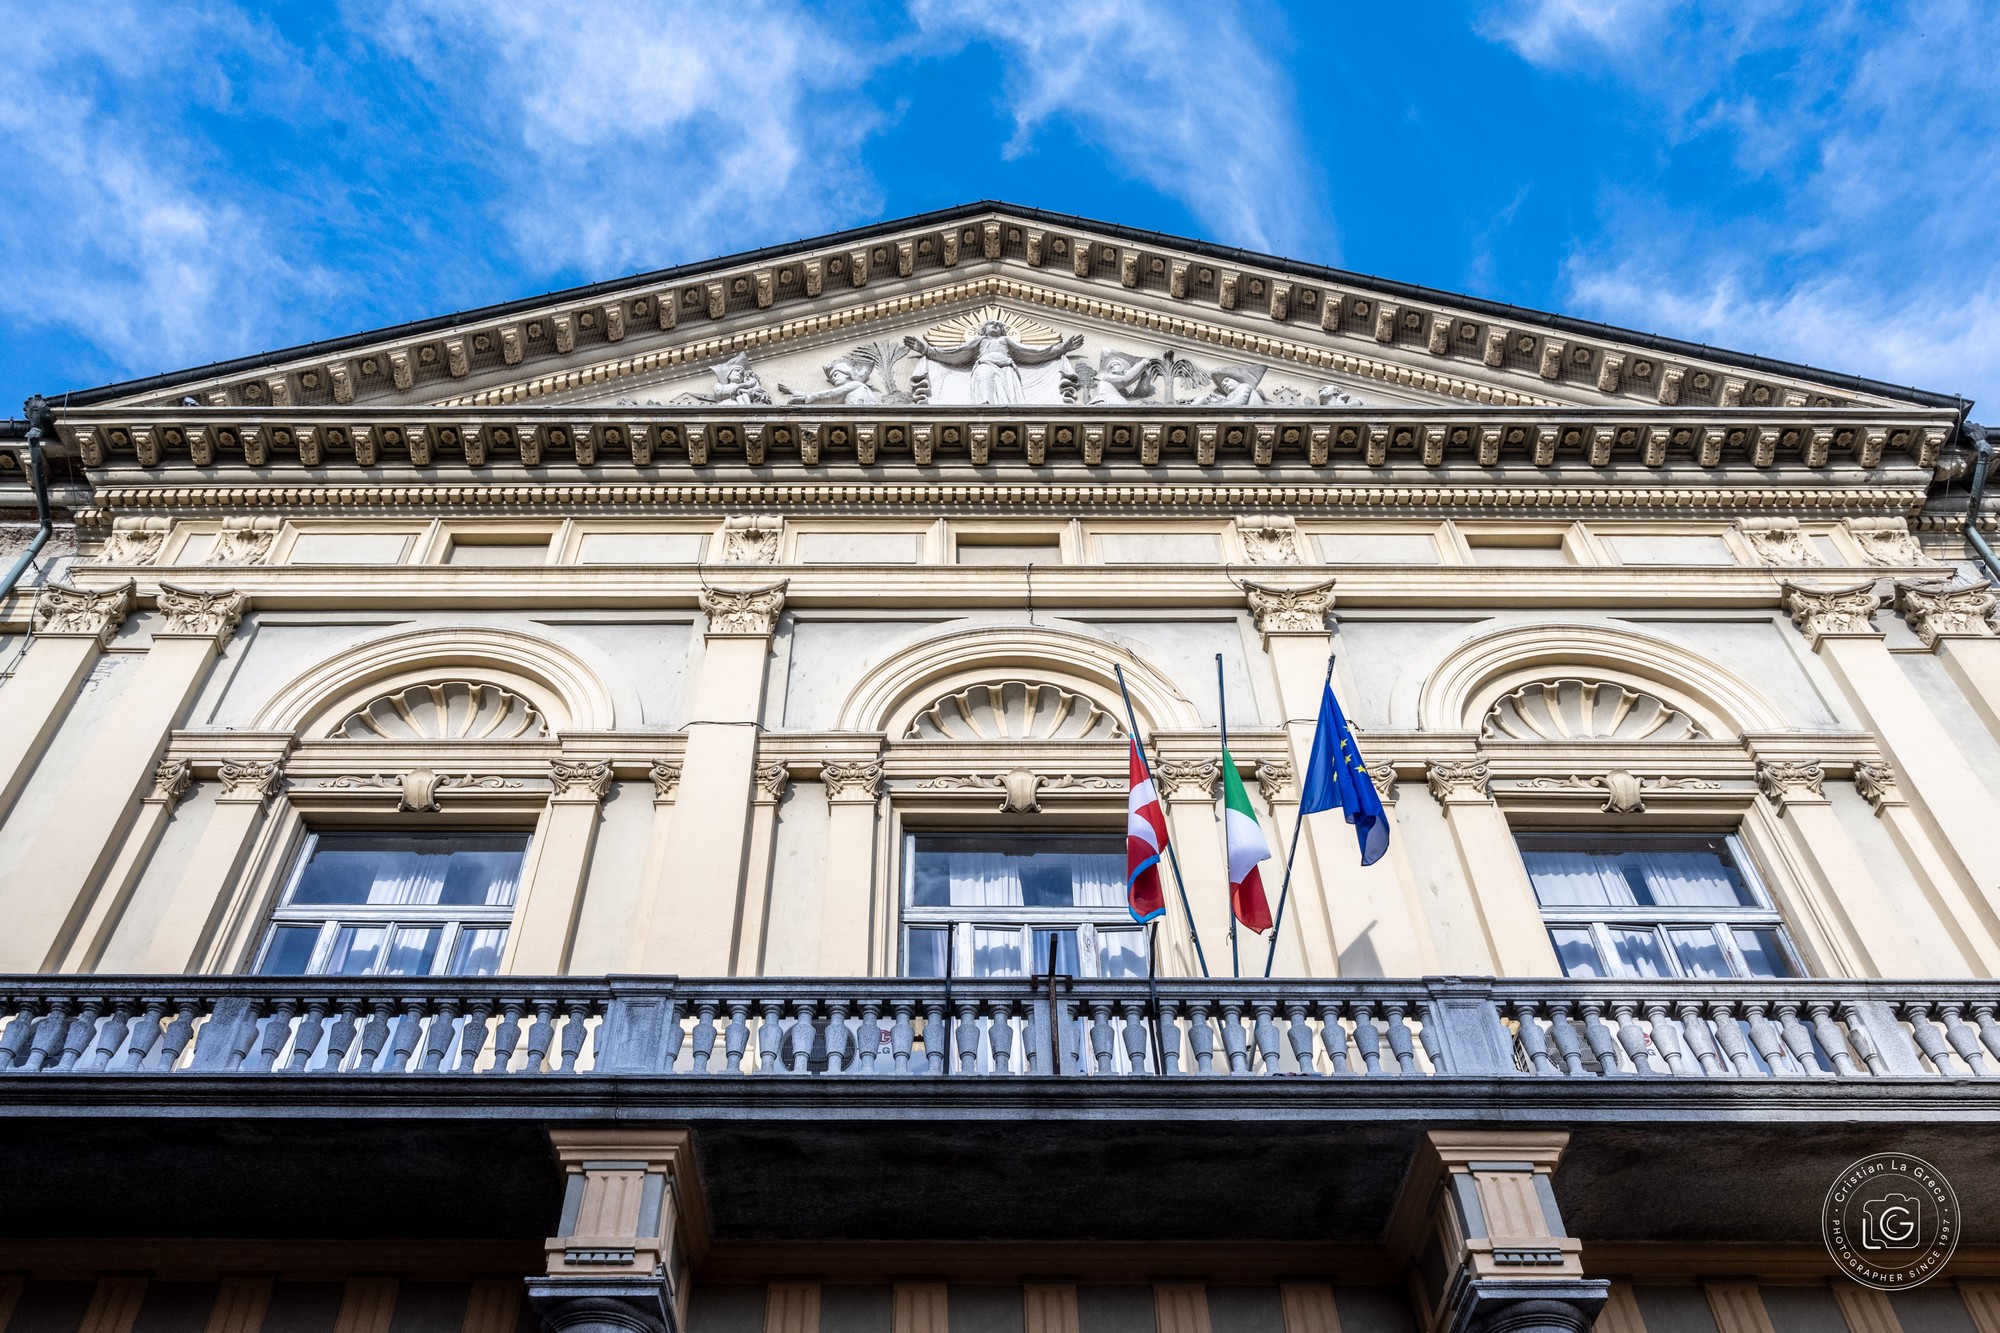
(477, 953)
(1576, 951)
(1635, 870)
(1121, 953)
(289, 951)
(1700, 953)
(1575, 879)
(457, 869)
(479, 877)
(1639, 953)
(1017, 870)
(997, 953)
(924, 950)
(1068, 961)
(1764, 953)
(413, 950)
(355, 950)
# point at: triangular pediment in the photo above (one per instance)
(1148, 319)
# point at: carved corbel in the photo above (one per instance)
(751, 539)
(852, 782)
(772, 780)
(580, 779)
(1290, 610)
(171, 780)
(1876, 781)
(1785, 783)
(750, 613)
(1384, 778)
(1454, 781)
(1821, 612)
(418, 789)
(1269, 539)
(62, 611)
(212, 615)
(1192, 779)
(666, 780)
(1274, 779)
(248, 779)
(1884, 541)
(614, 322)
(1939, 611)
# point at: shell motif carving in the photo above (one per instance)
(1014, 710)
(448, 710)
(1582, 710)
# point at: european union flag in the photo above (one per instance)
(1336, 778)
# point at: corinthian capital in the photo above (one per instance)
(1819, 612)
(754, 612)
(66, 612)
(1290, 610)
(1939, 610)
(199, 614)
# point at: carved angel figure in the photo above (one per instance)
(736, 385)
(1235, 386)
(1329, 396)
(994, 358)
(850, 386)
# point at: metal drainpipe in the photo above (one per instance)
(40, 420)
(1982, 449)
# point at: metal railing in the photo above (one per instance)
(768, 1027)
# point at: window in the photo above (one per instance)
(372, 904)
(1655, 905)
(995, 904)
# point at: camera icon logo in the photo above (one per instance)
(1891, 1222)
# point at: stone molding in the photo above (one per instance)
(1570, 709)
(248, 779)
(580, 779)
(1884, 541)
(852, 782)
(1270, 539)
(1833, 612)
(134, 541)
(1384, 777)
(1785, 783)
(244, 541)
(1290, 610)
(1939, 611)
(1875, 779)
(1777, 541)
(1187, 779)
(65, 612)
(1274, 779)
(666, 779)
(752, 540)
(772, 780)
(1458, 782)
(171, 780)
(751, 613)
(190, 614)
(1624, 791)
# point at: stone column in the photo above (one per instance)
(1491, 859)
(1957, 625)
(1484, 1203)
(659, 845)
(1966, 915)
(698, 900)
(847, 912)
(1187, 787)
(633, 1220)
(546, 922)
(180, 941)
(1949, 795)
(772, 780)
(71, 628)
(171, 781)
(1855, 906)
(51, 887)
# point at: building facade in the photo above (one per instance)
(605, 812)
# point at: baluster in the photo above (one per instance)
(937, 1042)
(1602, 1044)
(1299, 1034)
(703, 1044)
(341, 1036)
(1563, 1029)
(1694, 1030)
(1201, 1036)
(737, 1039)
(178, 1038)
(868, 1040)
(1100, 1034)
(1000, 1035)
(902, 1037)
(1989, 1030)
(1170, 1037)
(1862, 1039)
(110, 1036)
(1918, 1013)
(49, 1032)
(1729, 1032)
(144, 1035)
(1432, 1028)
(1333, 1037)
(1832, 1039)
(438, 1034)
(771, 1037)
(1666, 1037)
(676, 1036)
(836, 1035)
(374, 1036)
(1367, 1037)
(1395, 1012)
(277, 1031)
(472, 1038)
(81, 1031)
(968, 1036)
(1232, 1036)
(803, 1025)
(1135, 1035)
(507, 1036)
(1534, 1044)
(1963, 1039)
(306, 1041)
(1270, 1058)
(20, 1033)
(541, 1036)
(1765, 1038)
(1632, 1037)
(575, 1032)
(403, 1042)
(1797, 1040)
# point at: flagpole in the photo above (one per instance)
(1194, 931)
(1222, 714)
(1278, 922)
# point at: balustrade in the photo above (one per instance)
(1083, 1029)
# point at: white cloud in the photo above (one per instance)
(1546, 32)
(1188, 101)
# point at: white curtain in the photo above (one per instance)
(982, 879)
(1099, 881)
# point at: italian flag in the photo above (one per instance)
(1244, 837)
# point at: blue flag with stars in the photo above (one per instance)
(1336, 778)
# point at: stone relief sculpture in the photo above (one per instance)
(1234, 386)
(987, 368)
(736, 385)
(849, 382)
(1127, 377)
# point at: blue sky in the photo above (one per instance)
(191, 180)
